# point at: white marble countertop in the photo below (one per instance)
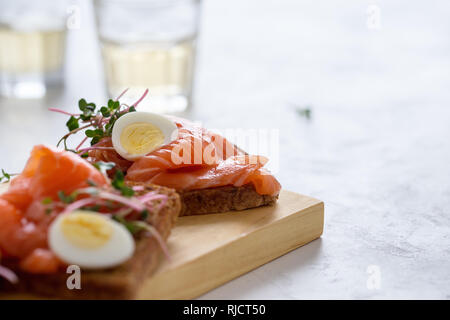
(376, 149)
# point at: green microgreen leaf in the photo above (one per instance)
(5, 176)
(95, 208)
(119, 179)
(127, 191)
(86, 116)
(47, 201)
(95, 140)
(132, 227)
(119, 184)
(113, 105)
(87, 109)
(89, 133)
(91, 106)
(82, 104)
(66, 198)
(304, 112)
(144, 214)
(101, 121)
(105, 111)
(72, 124)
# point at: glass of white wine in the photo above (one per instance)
(32, 46)
(149, 44)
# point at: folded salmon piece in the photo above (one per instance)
(23, 219)
(235, 171)
(200, 159)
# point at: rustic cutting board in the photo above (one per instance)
(209, 250)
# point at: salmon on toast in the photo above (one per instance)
(63, 211)
(175, 153)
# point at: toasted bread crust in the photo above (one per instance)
(222, 199)
(118, 283)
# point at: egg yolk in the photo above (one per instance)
(86, 230)
(141, 138)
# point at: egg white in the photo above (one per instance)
(168, 128)
(118, 249)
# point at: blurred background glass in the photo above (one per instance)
(32, 37)
(149, 45)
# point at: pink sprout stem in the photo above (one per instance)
(151, 197)
(136, 205)
(124, 212)
(8, 275)
(123, 92)
(137, 102)
(140, 99)
(81, 143)
(63, 112)
(94, 148)
(146, 197)
(78, 204)
(158, 238)
(163, 203)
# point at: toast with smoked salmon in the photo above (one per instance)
(210, 173)
(60, 186)
(222, 178)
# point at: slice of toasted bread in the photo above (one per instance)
(222, 199)
(122, 282)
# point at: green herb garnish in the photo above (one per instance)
(95, 208)
(98, 122)
(5, 176)
(67, 198)
(72, 124)
(132, 227)
(119, 184)
(144, 214)
(47, 201)
(304, 112)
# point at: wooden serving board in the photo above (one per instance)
(209, 250)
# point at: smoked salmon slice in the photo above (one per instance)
(109, 156)
(211, 149)
(197, 159)
(211, 161)
(23, 220)
(51, 170)
(236, 171)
